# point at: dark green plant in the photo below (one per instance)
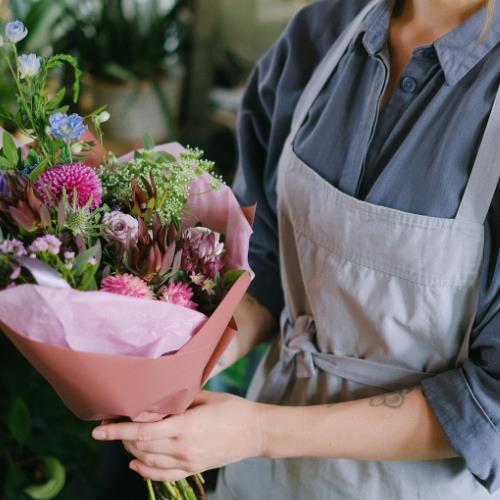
(124, 40)
(44, 449)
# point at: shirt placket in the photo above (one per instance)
(411, 81)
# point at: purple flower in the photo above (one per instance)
(202, 251)
(4, 187)
(28, 66)
(15, 273)
(48, 243)
(26, 171)
(69, 128)
(120, 226)
(15, 31)
(13, 247)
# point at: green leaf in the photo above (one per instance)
(83, 259)
(88, 280)
(5, 164)
(10, 149)
(20, 421)
(53, 103)
(148, 142)
(232, 276)
(62, 109)
(164, 157)
(56, 478)
(38, 170)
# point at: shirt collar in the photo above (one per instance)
(463, 48)
(458, 51)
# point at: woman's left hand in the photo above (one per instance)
(218, 429)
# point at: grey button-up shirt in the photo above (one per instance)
(415, 156)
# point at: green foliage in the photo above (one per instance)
(34, 424)
(172, 179)
(98, 32)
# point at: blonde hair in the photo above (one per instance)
(490, 14)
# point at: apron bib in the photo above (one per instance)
(376, 300)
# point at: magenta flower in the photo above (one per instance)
(126, 284)
(74, 178)
(179, 294)
(202, 251)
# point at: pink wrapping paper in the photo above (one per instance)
(104, 354)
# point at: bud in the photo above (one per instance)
(76, 148)
(102, 117)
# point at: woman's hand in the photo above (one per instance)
(217, 430)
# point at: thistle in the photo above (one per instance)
(78, 220)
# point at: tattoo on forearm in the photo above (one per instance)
(393, 400)
(222, 362)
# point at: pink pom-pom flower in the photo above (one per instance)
(74, 178)
(179, 294)
(126, 284)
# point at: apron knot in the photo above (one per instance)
(298, 345)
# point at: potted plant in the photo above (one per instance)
(130, 50)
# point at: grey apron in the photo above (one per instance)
(376, 300)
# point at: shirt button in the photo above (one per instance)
(408, 84)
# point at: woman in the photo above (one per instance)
(369, 136)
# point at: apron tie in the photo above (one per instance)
(298, 345)
(301, 359)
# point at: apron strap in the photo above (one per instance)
(483, 180)
(300, 358)
(326, 68)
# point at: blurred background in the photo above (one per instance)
(176, 69)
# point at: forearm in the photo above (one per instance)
(255, 325)
(397, 426)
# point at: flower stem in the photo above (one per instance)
(23, 100)
(151, 491)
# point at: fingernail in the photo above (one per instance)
(98, 434)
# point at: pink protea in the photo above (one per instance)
(179, 294)
(202, 251)
(75, 178)
(126, 284)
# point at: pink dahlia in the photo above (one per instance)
(75, 178)
(126, 284)
(179, 294)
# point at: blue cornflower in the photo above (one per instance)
(69, 128)
(15, 31)
(4, 188)
(26, 171)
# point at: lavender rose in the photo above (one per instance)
(119, 226)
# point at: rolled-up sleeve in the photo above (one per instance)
(466, 401)
(252, 185)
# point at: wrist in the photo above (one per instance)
(277, 431)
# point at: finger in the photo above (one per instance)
(167, 446)
(158, 474)
(155, 460)
(131, 431)
(204, 397)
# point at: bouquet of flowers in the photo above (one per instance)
(119, 277)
